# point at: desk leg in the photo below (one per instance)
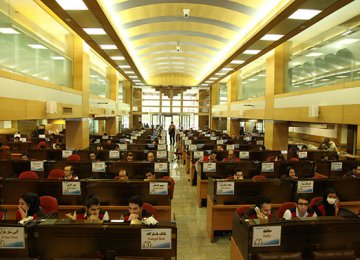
(209, 220)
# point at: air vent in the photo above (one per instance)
(67, 110)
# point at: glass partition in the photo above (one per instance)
(99, 85)
(253, 85)
(223, 93)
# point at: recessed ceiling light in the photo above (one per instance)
(117, 57)
(124, 67)
(213, 78)
(220, 74)
(251, 51)
(8, 31)
(58, 58)
(227, 69)
(129, 72)
(314, 54)
(94, 31)
(108, 47)
(37, 46)
(136, 80)
(204, 84)
(237, 62)
(304, 14)
(209, 81)
(72, 5)
(347, 41)
(133, 77)
(271, 37)
(252, 79)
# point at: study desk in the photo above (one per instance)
(250, 237)
(52, 239)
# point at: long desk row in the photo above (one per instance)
(222, 203)
(65, 239)
(71, 195)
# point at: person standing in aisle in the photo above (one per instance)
(171, 131)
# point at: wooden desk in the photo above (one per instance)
(304, 236)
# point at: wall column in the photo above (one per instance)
(127, 94)
(276, 135)
(111, 126)
(232, 93)
(214, 101)
(77, 133)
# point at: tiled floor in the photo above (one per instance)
(193, 242)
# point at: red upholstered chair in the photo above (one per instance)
(28, 175)
(284, 206)
(40, 144)
(294, 159)
(258, 177)
(150, 208)
(314, 201)
(73, 157)
(49, 204)
(230, 177)
(56, 174)
(320, 176)
(241, 210)
(172, 185)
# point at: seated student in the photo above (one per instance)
(301, 210)
(29, 205)
(231, 157)
(69, 173)
(280, 158)
(354, 172)
(262, 210)
(16, 139)
(328, 145)
(117, 148)
(329, 205)
(238, 175)
(149, 175)
(211, 157)
(91, 210)
(304, 148)
(24, 157)
(136, 210)
(122, 175)
(290, 174)
(129, 157)
(150, 157)
(219, 148)
(92, 157)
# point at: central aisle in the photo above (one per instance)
(193, 242)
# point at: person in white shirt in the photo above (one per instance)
(301, 210)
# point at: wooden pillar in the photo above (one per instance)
(111, 126)
(113, 79)
(77, 133)
(127, 94)
(276, 135)
(358, 141)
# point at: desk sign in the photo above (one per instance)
(17, 135)
(155, 238)
(266, 236)
(305, 186)
(98, 166)
(123, 147)
(113, 154)
(209, 167)
(244, 155)
(23, 139)
(267, 167)
(37, 166)
(133, 137)
(302, 155)
(198, 154)
(192, 147)
(158, 188)
(160, 167)
(187, 142)
(225, 188)
(259, 142)
(219, 141)
(105, 137)
(213, 138)
(161, 141)
(161, 154)
(66, 153)
(42, 136)
(71, 188)
(161, 147)
(12, 238)
(207, 135)
(185, 138)
(336, 166)
(230, 147)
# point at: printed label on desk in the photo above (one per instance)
(98, 167)
(160, 167)
(336, 166)
(185, 138)
(66, 153)
(161, 141)
(266, 236)
(267, 167)
(161, 147)
(37, 166)
(123, 147)
(225, 188)
(213, 138)
(244, 155)
(133, 137)
(129, 141)
(192, 147)
(209, 167)
(42, 136)
(161, 154)
(187, 142)
(219, 141)
(302, 155)
(305, 186)
(207, 135)
(158, 188)
(71, 188)
(12, 237)
(113, 154)
(155, 238)
(259, 142)
(198, 154)
(230, 147)
(23, 139)
(105, 137)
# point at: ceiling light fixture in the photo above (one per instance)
(117, 57)
(304, 14)
(37, 46)
(271, 37)
(252, 52)
(227, 69)
(124, 67)
(72, 5)
(58, 58)
(108, 47)
(237, 62)
(314, 54)
(94, 31)
(8, 31)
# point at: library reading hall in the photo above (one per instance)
(180, 129)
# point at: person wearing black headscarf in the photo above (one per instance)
(29, 205)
